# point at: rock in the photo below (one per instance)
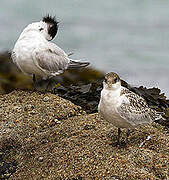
(57, 121)
(45, 99)
(38, 146)
(40, 159)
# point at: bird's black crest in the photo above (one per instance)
(52, 30)
(50, 19)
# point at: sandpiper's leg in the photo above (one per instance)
(118, 137)
(34, 78)
(34, 82)
(48, 85)
(127, 135)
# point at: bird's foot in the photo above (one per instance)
(121, 144)
(35, 87)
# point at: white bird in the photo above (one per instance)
(122, 107)
(34, 54)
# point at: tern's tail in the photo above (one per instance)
(77, 64)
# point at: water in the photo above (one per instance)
(129, 37)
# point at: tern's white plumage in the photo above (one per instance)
(34, 54)
(123, 108)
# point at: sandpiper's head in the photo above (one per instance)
(52, 26)
(112, 81)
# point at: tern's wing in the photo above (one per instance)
(135, 109)
(51, 59)
(13, 57)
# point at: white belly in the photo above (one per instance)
(28, 67)
(108, 110)
(111, 115)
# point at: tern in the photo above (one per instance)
(35, 54)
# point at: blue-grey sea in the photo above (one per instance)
(130, 37)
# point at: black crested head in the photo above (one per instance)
(53, 25)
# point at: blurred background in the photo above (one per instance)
(129, 37)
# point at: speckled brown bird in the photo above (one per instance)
(122, 107)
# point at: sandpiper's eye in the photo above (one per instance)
(115, 80)
(40, 29)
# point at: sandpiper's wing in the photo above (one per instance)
(51, 59)
(135, 109)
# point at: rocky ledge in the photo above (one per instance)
(45, 136)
